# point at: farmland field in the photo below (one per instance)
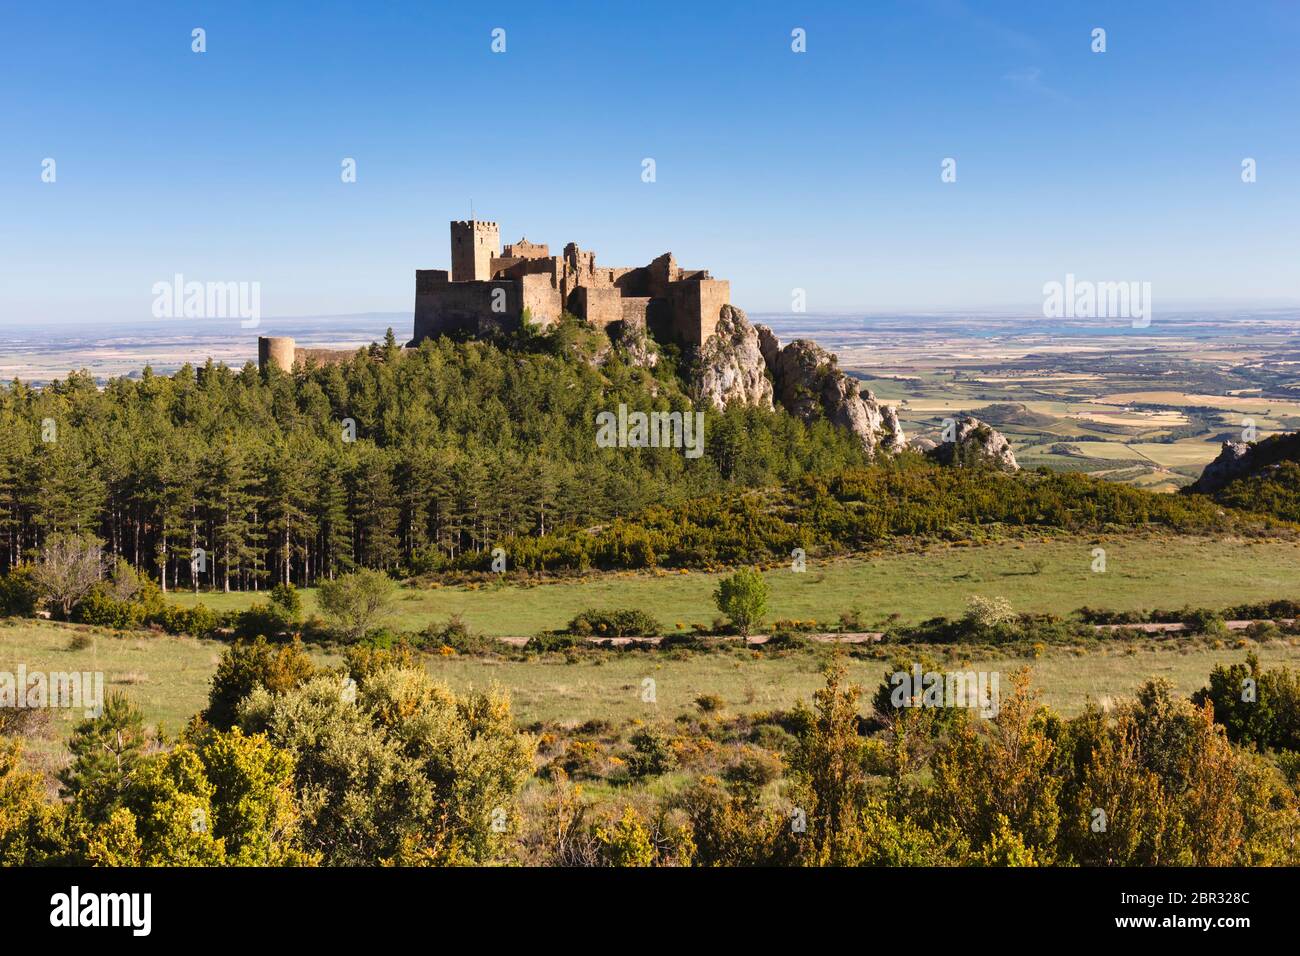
(1105, 388)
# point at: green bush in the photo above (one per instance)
(245, 666)
(652, 752)
(262, 620)
(100, 609)
(18, 592)
(454, 633)
(625, 622)
(285, 598)
(552, 641)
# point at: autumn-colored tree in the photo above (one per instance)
(1000, 771)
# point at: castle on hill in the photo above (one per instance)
(491, 290)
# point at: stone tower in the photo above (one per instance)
(474, 244)
(278, 349)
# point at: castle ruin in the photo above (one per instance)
(492, 290)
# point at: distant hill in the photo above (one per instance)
(1012, 413)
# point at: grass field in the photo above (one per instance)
(168, 676)
(1141, 573)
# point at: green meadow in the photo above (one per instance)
(168, 676)
(1056, 575)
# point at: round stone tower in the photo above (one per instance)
(277, 349)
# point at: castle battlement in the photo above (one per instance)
(488, 289)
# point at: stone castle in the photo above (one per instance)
(490, 290)
(493, 289)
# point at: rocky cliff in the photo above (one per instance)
(809, 383)
(729, 367)
(745, 364)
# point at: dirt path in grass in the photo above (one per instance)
(872, 637)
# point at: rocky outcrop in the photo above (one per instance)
(1239, 459)
(972, 443)
(810, 384)
(635, 342)
(734, 366)
(1234, 461)
(729, 367)
(767, 344)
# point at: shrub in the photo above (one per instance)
(653, 753)
(246, 666)
(624, 622)
(198, 620)
(261, 620)
(984, 614)
(552, 641)
(750, 770)
(710, 703)
(102, 610)
(853, 620)
(285, 598)
(19, 592)
(785, 640)
(1202, 621)
(627, 842)
(454, 634)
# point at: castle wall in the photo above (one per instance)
(697, 306)
(467, 307)
(600, 307)
(538, 294)
(635, 308)
(524, 249)
(503, 265)
(322, 356)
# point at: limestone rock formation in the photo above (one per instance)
(729, 365)
(767, 344)
(635, 342)
(809, 383)
(1234, 461)
(1237, 460)
(975, 442)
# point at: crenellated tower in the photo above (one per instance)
(474, 244)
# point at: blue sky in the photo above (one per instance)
(777, 170)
